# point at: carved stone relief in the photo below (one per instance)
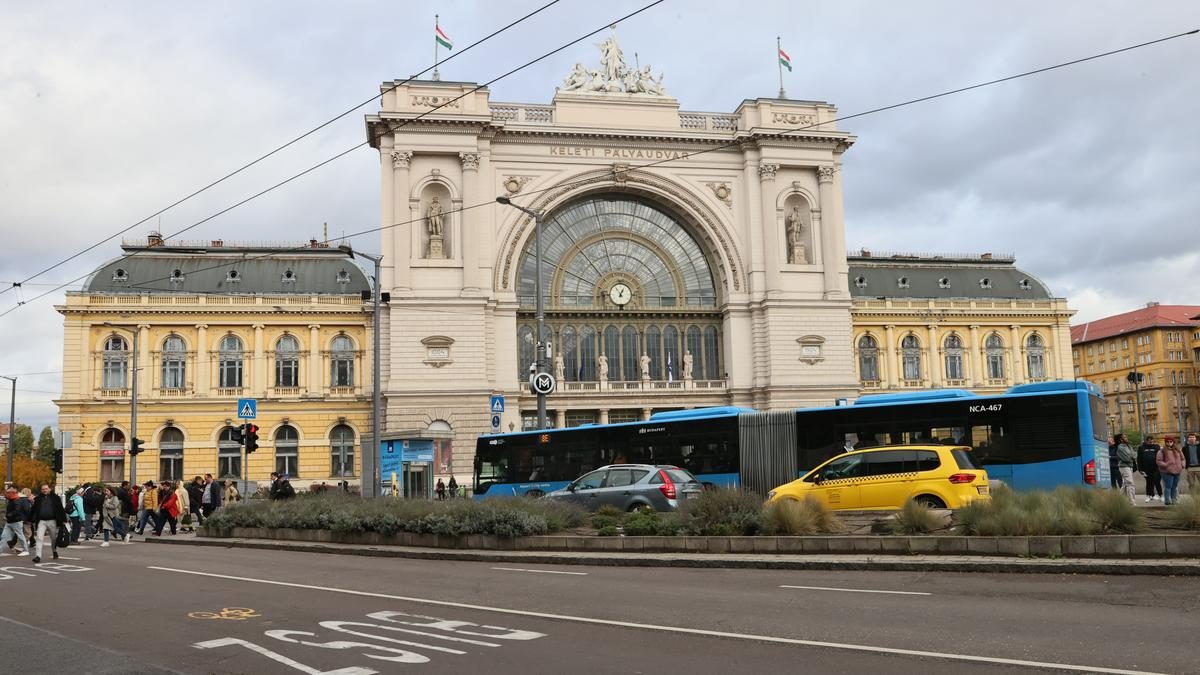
(514, 184)
(470, 160)
(401, 159)
(793, 118)
(723, 192)
(426, 101)
(767, 171)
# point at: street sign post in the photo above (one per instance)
(497, 404)
(247, 408)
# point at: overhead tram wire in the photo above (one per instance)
(222, 179)
(391, 128)
(781, 134)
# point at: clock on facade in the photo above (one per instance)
(620, 294)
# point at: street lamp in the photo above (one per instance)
(540, 357)
(369, 470)
(133, 393)
(12, 427)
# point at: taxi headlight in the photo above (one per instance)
(771, 494)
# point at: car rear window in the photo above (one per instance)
(677, 476)
(964, 459)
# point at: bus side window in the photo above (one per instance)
(991, 445)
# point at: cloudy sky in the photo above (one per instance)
(110, 111)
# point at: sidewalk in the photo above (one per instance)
(911, 563)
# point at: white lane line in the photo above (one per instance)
(521, 569)
(672, 629)
(63, 557)
(855, 590)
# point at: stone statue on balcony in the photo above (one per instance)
(687, 365)
(602, 367)
(560, 368)
(645, 361)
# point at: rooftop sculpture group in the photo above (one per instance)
(614, 76)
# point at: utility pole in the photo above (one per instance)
(12, 427)
(1178, 407)
(370, 470)
(539, 301)
(133, 397)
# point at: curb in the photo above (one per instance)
(1190, 567)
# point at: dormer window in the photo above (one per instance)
(120, 275)
(233, 277)
(944, 282)
(985, 282)
(343, 277)
(902, 282)
(289, 277)
(860, 282)
(1025, 285)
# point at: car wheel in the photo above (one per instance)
(640, 508)
(931, 502)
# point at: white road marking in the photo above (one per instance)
(521, 569)
(673, 629)
(854, 590)
(63, 557)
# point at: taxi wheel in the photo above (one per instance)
(930, 502)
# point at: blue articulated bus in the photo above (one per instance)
(1034, 436)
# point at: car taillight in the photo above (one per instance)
(668, 486)
(1089, 472)
(960, 478)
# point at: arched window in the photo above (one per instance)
(868, 359)
(174, 356)
(696, 347)
(587, 354)
(230, 356)
(116, 363)
(1035, 357)
(570, 351)
(671, 353)
(443, 448)
(612, 351)
(287, 451)
(910, 352)
(112, 456)
(954, 357)
(229, 455)
(287, 362)
(994, 346)
(342, 362)
(630, 353)
(712, 354)
(341, 446)
(170, 454)
(654, 349)
(527, 350)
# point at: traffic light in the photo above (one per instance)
(58, 461)
(250, 437)
(135, 446)
(235, 433)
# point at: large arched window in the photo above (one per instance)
(868, 359)
(696, 347)
(342, 362)
(112, 456)
(116, 363)
(1035, 357)
(170, 454)
(994, 346)
(954, 357)
(287, 451)
(671, 353)
(229, 454)
(655, 351)
(712, 354)
(630, 353)
(569, 337)
(287, 362)
(527, 349)
(174, 359)
(230, 357)
(612, 352)
(341, 446)
(910, 352)
(587, 355)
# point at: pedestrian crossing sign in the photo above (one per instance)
(497, 404)
(247, 408)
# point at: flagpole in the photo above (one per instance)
(778, 64)
(438, 76)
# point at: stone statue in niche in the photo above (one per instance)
(687, 365)
(797, 255)
(433, 217)
(560, 368)
(602, 367)
(645, 361)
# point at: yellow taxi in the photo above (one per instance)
(938, 476)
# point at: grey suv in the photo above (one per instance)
(630, 487)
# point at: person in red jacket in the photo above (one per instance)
(168, 510)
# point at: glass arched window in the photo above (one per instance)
(116, 363)
(527, 349)
(342, 362)
(587, 354)
(994, 346)
(654, 350)
(910, 352)
(170, 454)
(443, 448)
(287, 451)
(868, 359)
(569, 337)
(287, 362)
(954, 357)
(1035, 357)
(612, 352)
(630, 353)
(341, 446)
(671, 353)
(696, 347)
(230, 357)
(112, 456)
(229, 455)
(712, 354)
(174, 358)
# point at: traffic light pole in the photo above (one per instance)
(12, 427)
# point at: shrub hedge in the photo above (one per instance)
(1065, 511)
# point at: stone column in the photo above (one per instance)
(646, 412)
(560, 419)
(892, 366)
(770, 226)
(145, 366)
(387, 211)
(472, 223)
(603, 416)
(935, 370)
(977, 358)
(1018, 365)
(829, 242)
(259, 384)
(401, 255)
(752, 173)
(202, 367)
(314, 354)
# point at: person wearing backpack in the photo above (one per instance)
(148, 513)
(74, 508)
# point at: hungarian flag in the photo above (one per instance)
(444, 40)
(785, 60)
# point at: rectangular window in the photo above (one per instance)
(172, 374)
(287, 373)
(286, 462)
(230, 374)
(112, 469)
(114, 374)
(229, 463)
(170, 466)
(343, 373)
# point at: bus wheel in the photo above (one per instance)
(535, 494)
(930, 502)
